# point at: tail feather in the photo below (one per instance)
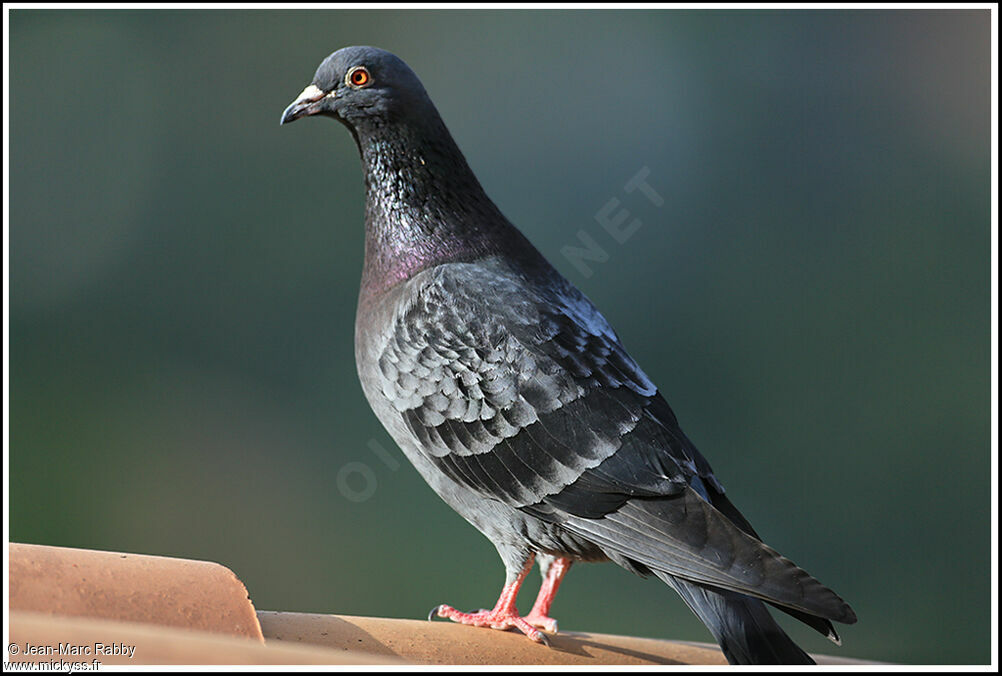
(685, 536)
(742, 625)
(725, 507)
(818, 624)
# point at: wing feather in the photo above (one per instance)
(533, 401)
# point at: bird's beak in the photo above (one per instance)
(305, 104)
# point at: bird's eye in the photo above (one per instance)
(358, 77)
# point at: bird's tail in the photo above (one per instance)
(742, 625)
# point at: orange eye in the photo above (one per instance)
(359, 77)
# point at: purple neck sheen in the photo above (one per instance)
(423, 204)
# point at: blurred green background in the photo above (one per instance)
(812, 298)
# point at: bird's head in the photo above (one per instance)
(356, 84)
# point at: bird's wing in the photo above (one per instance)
(516, 393)
(523, 393)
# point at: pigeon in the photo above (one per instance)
(515, 399)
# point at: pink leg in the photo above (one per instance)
(503, 616)
(539, 616)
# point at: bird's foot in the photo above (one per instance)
(494, 619)
(544, 622)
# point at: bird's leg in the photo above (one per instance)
(553, 569)
(504, 614)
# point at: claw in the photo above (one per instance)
(495, 619)
(505, 615)
(549, 628)
(544, 622)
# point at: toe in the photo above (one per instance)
(543, 622)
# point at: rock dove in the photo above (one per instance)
(515, 399)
